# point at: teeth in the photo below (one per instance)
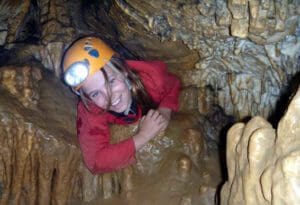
(115, 102)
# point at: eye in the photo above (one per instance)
(112, 80)
(94, 94)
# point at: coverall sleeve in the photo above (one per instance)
(169, 86)
(94, 138)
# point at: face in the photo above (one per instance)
(94, 87)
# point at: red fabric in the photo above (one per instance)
(93, 127)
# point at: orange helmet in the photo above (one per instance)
(85, 56)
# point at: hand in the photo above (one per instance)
(166, 113)
(150, 126)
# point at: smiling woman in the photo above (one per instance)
(113, 93)
(114, 90)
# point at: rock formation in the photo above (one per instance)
(40, 159)
(263, 162)
(235, 57)
(41, 162)
(239, 54)
(243, 64)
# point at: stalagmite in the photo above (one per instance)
(263, 163)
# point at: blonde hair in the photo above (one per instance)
(138, 91)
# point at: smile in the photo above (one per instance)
(115, 102)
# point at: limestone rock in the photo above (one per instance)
(55, 21)
(217, 45)
(51, 55)
(13, 15)
(244, 87)
(41, 162)
(22, 83)
(226, 64)
(263, 163)
(188, 99)
(237, 54)
(44, 25)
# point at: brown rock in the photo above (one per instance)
(263, 163)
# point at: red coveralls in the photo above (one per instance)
(93, 126)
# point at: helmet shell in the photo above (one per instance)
(88, 49)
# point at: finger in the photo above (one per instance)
(150, 113)
(143, 118)
(161, 119)
(156, 115)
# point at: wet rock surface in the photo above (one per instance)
(244, 64)
(235, 57)
(263, 162)
(237, 54)
(41, 161)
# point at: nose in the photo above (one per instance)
(107, 92)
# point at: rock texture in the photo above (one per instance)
(36, 29)
(41, 162)
(239, 54)
(242, 46)
(40, 159)
(263, 162)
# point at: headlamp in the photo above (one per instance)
(76, 73)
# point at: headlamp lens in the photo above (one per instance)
(76, 73)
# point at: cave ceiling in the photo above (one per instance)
(238, 54)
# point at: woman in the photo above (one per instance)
(113, 90)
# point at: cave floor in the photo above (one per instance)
(168, 187)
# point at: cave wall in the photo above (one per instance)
(239, 54)
(40, 159)
(41, 162)
(263, 162)
(245, 48)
